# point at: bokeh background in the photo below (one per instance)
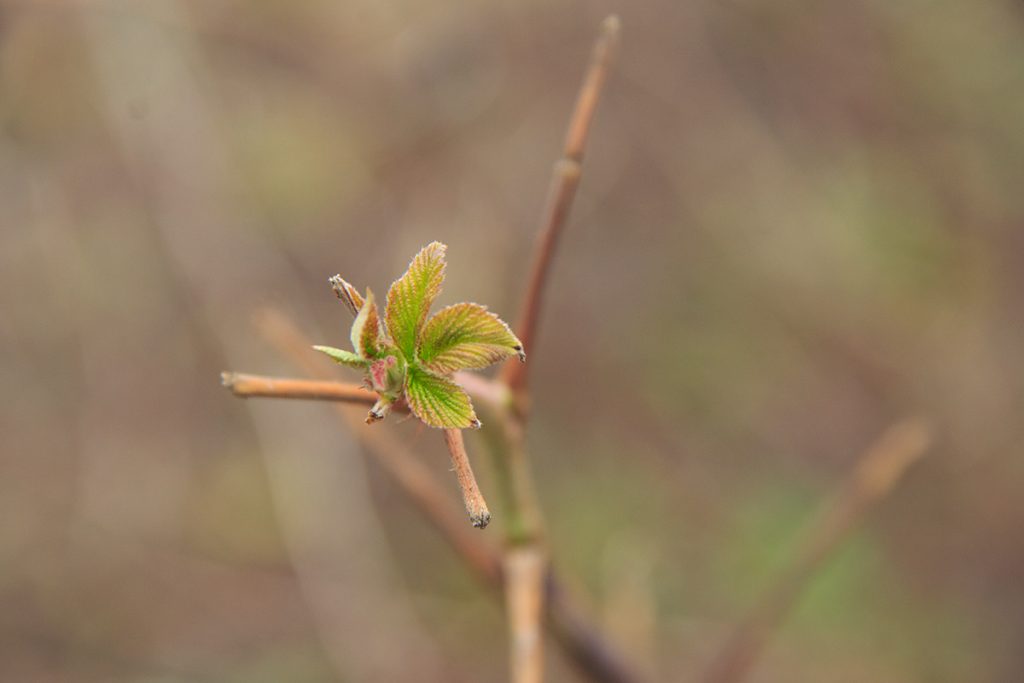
(799, 222)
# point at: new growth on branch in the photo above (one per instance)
(408, 357)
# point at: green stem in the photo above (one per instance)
(520, 512)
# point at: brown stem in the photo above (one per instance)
(476, 506)
(245, 385)
(252, 386)
(876, 474)
(564, 181)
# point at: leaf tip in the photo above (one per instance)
(348, 294)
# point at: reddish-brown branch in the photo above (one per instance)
(476, 506)
(875, 475)
(253, 386)
(564, 181)
(260, 386)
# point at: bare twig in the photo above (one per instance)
(429, 495)
(875, 475)
(251, 386)
(565, 179)
(245, 385)
(476, 506)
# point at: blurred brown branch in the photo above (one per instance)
(875, 475)
(565, 179)
(526, 556)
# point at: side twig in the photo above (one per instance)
(260, 386)
(565, 178)
(246, 386)
(476, 506)
(875, 476)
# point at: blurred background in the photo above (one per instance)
(799, 222)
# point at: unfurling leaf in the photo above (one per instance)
(347, 293)
(438, 401)
(411, 295)
(366, 329)
(344, 357)
(465, 336)
(407, 355)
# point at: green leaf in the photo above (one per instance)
(411, 295)
(438, 401)
(344, 357)
(366, 329)
(466, 336)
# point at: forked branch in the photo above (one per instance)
(531, 589)
(565, 178)
(875, 475)
(572, 629)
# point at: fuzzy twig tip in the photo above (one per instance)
(480, 519)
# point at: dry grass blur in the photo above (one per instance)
(799, 223)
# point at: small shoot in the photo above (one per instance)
(410, 356)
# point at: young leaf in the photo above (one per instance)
(438, 401)
(366, 329)
(466, 336)
(344, 357)
(347, 293)
(410, 296)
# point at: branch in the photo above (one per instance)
(576, 633)
(246, 386)
(525, 567)
(252, 386)
(476, 506)
(260, 386)
(565, 179)
(875, 476)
